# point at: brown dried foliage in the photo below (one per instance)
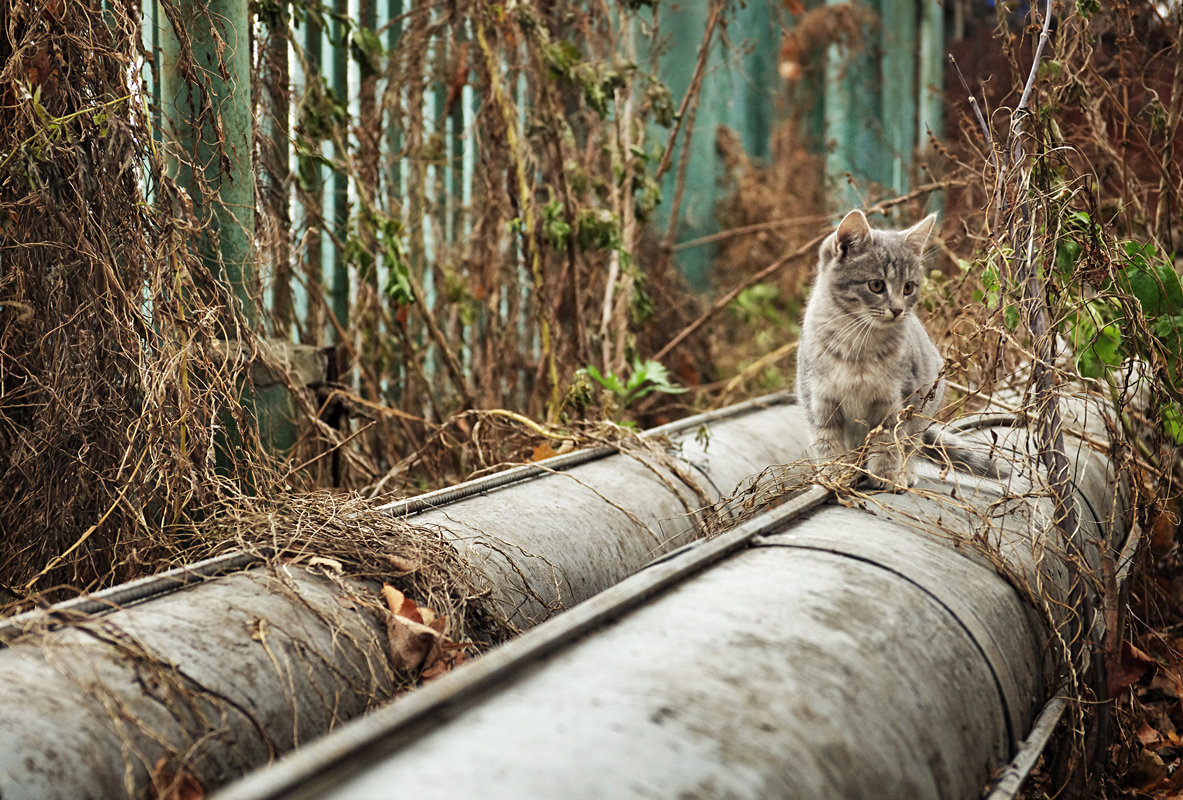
(127, 423)
(110, 395)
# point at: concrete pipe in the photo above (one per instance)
(219, 667)
(900, 647)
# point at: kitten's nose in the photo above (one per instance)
(895, 312)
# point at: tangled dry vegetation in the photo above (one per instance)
(1063, 218)
(127, 441)
(1089, 211)
(124, 424)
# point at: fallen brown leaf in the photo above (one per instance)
(1126, 669)
(412, 644)
(418, 639)
(401, 605)
(330, 564)
(1163, 529)
(401, 564)
(1147, 770)
(543, 451)
(1148, 735)
(451, 656)
(1168, 683)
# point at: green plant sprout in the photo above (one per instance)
(645, 378)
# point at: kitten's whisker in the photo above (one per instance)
(848, 334)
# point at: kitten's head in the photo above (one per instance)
(874, 275)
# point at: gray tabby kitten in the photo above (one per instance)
(864, 356)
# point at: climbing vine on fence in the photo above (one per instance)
(450, 200)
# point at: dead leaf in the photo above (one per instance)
(1168, 683)
(459, 78)
(401, 564)
(1148, 769)
(1129, 668)
(1148, 735)
(543, 451)
(451, 656)
(331, 564)
(412, 644)
(1162, 531)
(418, 639)
(393, 597)
(436, 621)
(169, 785)
(401, 605)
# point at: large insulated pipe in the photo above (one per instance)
(213, 669)
(898, 649)
(564, 540)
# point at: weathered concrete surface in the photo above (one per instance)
(225, 674)
(895, 648)
(581, 530)
(222, 677)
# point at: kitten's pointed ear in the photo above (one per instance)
(917, 235)
(852, 232)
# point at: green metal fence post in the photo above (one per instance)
(854, 116)
(932, 69)
(275, 111)
(898, 62)
(206, 103)
(314, 206)
(340, 180)
(213, 150)
(737, 92)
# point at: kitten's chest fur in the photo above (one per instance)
(865, 379)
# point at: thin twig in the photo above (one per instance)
(772, 268)
(973, 104)
(704, 50)
(746, 230)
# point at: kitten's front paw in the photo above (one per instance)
(889, 472)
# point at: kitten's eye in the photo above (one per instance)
(909, 287)
(876, 286)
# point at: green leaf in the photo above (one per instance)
(1067, 254)
(661, 100)
(1050, 67)
(398, 271)
(1102, 353)
(1010, 315)
(1169, 331)
(309, 161)
(758, 302)
(1172, 421)
(648, 377)
(555, 227)
(1088, 365)
(991, 287)
(1172, 288)
(597, 229)
(641, 308)
(561, 57)
(645, 378)
(367, 49)
(611, 381)
(1155, 285)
